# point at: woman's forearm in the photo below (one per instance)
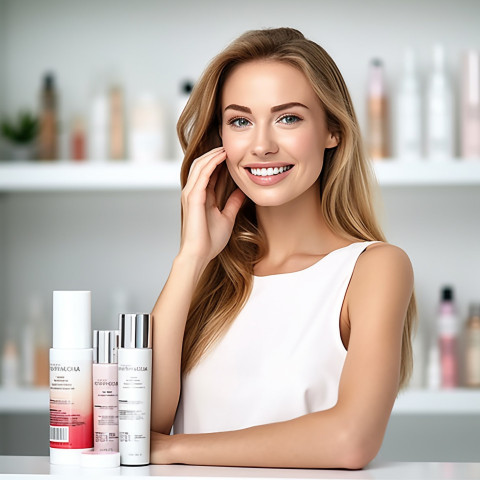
(319, 440)
(169, 317)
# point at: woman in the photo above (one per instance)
(282, 335)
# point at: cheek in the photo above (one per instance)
(236, 147)
(303, 144)
(235, 144)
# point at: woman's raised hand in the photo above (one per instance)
(205, 229)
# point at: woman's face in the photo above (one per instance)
(274, 131)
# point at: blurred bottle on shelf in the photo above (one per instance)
(447, 323)
(116, 123)
(377, 111)
(472, 347)
(10, 361)
(78, 140)
(186, 88)
(98, 126)
(48, 134)
(409, 111)
(439, 110)
(433, 372)
(35, 345)
(147, 133)
(470, 105)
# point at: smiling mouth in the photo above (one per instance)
(270, 171)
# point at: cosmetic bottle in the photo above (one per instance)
(470, 110)
(433, 373)
(48, 135)
(409, 121)
(105, 391)
(186, 88)
(472, 347)
(10, 363)
(117, 123)
(440, 112)
(42, 344)
(33, 333)
(98, 127)
(78, 139)
(377, 107)
(147, 135)
(71, 415)
(134, 388)
(447, 339)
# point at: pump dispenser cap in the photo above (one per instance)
(447, 294)
(105, 345)
(135, 330)
(72, 320)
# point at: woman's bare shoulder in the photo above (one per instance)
(383, 266)
(383, 254)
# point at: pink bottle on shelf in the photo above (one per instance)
(447, 339)
(105, 391)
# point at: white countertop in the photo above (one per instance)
(39, 467)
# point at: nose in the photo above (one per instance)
(263, 142)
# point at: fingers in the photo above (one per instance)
(200, 162)
(233, 205)
(202, 171)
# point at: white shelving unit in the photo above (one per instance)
(64, 175)
(125, 176)
(24, 400)
(410, 402)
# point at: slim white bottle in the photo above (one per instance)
(105, 391)
(134, 388)
(440, 119)
(409, 111)
(71, 416)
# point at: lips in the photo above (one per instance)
(262, 175)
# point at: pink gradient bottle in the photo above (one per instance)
(447, 339)
(105, 391)
(71, 420)
(470, 101)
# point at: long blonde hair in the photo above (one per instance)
(345, 182)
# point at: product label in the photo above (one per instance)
(134, 399)
(71, 403)
(105, 408)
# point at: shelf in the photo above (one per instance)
(24, 400)
(452, 172)
(438, 402)
(68, 176)
(410, 402)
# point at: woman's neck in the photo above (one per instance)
(297, 234)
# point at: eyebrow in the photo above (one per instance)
(277, 108)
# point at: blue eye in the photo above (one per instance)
(239, 122)
(289, 119)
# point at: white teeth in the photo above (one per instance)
(264, 172)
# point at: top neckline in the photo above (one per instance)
(256, 277)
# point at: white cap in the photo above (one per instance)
(100, 459)
(72, 322)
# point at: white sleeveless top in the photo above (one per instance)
(281, 358)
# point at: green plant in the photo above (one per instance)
(21, 130)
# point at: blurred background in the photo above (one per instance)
(89, 193)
